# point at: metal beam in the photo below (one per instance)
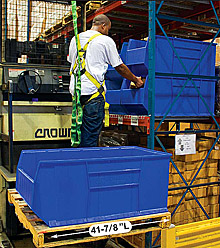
(28, 20)
(186, 76)
(130, 18)
(201, 9)
(201, 1)
(169, 12)
(151, 71)
(184, 20)
(106, 9)
(183, 35)
(114, 22)
(205, 31)
(188, 131)
(114, 31)
(194, 186)
(122, 28)
(178, 5)
(142, 8)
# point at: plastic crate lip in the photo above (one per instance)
(128, 170)
(191, 41)
(25, 174)
(95, 149)
(112, 217)
(173, 38)
(97, 159)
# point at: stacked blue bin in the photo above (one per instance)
(113, 79)
(82, 185)
(135, 101)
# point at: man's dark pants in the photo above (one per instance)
(93, 115)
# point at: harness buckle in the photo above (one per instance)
(101, 89)
(82, 71)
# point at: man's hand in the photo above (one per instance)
(139, 83)
(126, 73)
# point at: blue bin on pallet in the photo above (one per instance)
(82, 185)
(113, 79)
(135, 101)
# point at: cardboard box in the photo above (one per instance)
(190, 204)
(212, 172)
(201, 181)
(212, 200)
(213, 190)
(211, 163)
(177, 198)
(189, 195)
(202, 192)
(203, 126)
(204, 201)
(176, 178)
(215, 154)
(180, 165)
(213, 179)
(170, 200)
(215, 215)
(192, 166)
(192, 157)
(214, 208)
(204, 144)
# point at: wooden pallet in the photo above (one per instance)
(67, 20)
(44, 236)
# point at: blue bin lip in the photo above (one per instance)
(150, 152)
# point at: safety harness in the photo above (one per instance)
(79, 69)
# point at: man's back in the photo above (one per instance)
(100, 53)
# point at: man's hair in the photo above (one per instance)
(100, 19)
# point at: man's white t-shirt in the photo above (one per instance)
(100, 53)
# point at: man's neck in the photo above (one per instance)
(95, 28)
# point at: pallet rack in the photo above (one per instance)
(173, 23)
(155, 17)
(130, 120)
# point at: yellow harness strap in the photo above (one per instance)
(82, 53)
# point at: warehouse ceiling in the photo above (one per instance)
(130, 18)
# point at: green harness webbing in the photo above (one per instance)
(77, 108)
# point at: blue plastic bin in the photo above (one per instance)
(190, 52)
(113, 79)
(130, 101)
(82, 185)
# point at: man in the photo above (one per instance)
(100, 53)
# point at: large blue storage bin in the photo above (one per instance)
(75, 186)
(130, 101)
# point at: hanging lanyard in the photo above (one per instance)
(77, 108)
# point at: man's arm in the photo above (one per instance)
(126, 73)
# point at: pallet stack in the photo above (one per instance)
(189, 211)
